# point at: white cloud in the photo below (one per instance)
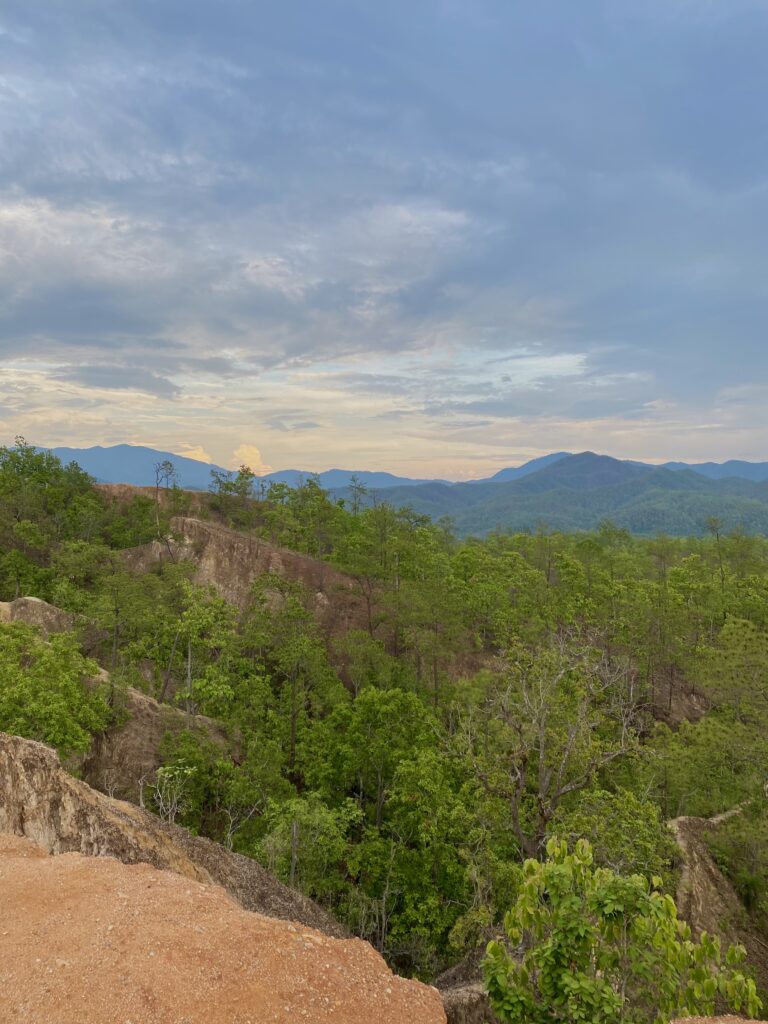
(249, 455)
(194, 452)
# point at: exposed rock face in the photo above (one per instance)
(98, 942)
(707, 900)
(35, 612)
(42, 802)
(231, 561)
(467, 1004)
(130, 751)
(678, 701)
(463, 992)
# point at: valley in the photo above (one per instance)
(349, 716)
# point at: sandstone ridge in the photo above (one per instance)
(99, 942)
(42, 802)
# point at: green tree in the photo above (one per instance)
(45, 693)
(735, 670)
(604, 948)
(626, 833)
(306, 843)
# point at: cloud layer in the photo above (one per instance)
(433, 238)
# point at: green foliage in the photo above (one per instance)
(734, 670)
(44, 693)
(626, 834)
(740, 846)
(704, 768)
(306, 842)
(492, 694)
(604, 948)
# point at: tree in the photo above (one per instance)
(44, 690)
(233, 492)
(543, 731)
(627, 834)
(735, 671)
(357, 749)
(165, 475)
(602, 948)
(169, 790)
(206, 627)
(282, 632)
(307, 841)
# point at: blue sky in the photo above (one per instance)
(435, 237)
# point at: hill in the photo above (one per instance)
(577, 492)
(565, 491)
(725, 470)
(135, 464)
(516, 472)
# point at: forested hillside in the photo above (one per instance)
(577, 492)
(487, 696)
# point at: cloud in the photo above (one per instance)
(249, 455)
(240, 222)
(194, 452)
(119, 378)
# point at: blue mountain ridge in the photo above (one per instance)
(135, 464)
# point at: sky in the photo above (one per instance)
(435, 237)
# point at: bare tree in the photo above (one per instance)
(236, 817)
(546, 727)
(169, 790)
(165, 476)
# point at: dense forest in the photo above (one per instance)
(578, 492)
(500, 692)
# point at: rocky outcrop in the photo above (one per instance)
(129, 751)
(463, 991)
(34, 612)
(230, 561)
(99, 942)
(707, 900)
(42, 802)
(467, 1004)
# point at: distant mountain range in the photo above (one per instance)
(578, 492)
(134, 464)
(562, 490)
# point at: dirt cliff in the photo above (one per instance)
(93, 941)
(41, 801)
(130, 750)
(230, 561)
(706, 899)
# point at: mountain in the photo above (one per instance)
(757, 471)
(135, 464)
(578, 492)
(515, 472)
(565, 491)
(333, 479)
